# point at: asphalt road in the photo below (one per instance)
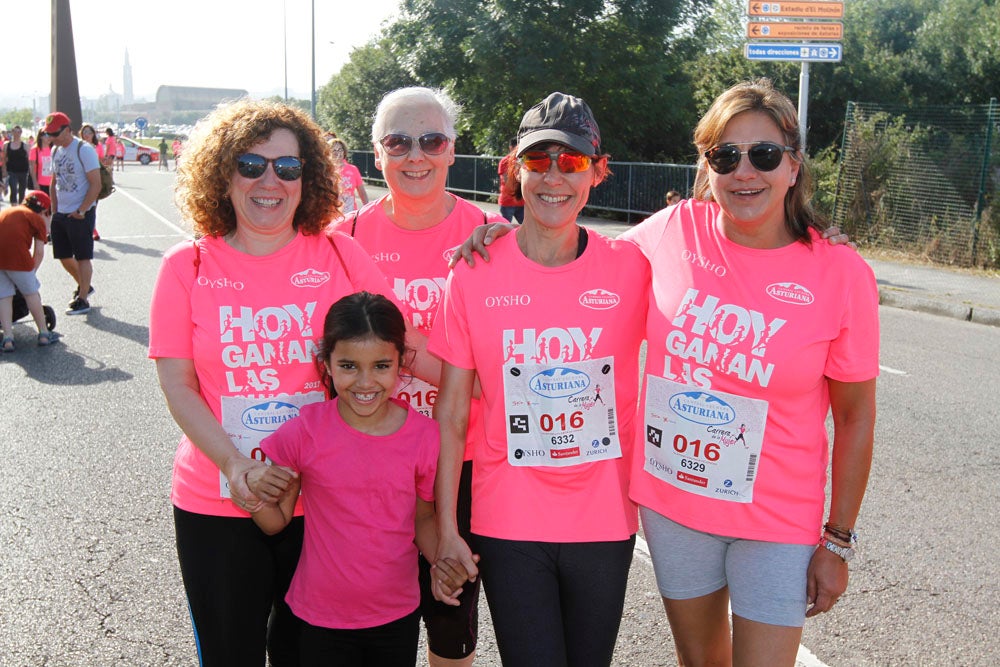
(88, 573)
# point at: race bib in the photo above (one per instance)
(419, 394)
(248, 420)
(561, 415)
(703, 441)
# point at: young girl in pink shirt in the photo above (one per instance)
(365, 463)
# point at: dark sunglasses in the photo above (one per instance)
(57, 132)
(569, 162)
(432, 143)
(251, 165)
(764, 156)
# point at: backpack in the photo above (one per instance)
(107, 180)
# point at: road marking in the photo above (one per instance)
(156, 215)
(891, 370)
(804, 657)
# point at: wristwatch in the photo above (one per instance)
(845, 553)
(80, 212)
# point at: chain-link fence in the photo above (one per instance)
(922, 181)
(634, 188)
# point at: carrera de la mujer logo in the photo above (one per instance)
(559, 382)
(702, 408)
(267, 417)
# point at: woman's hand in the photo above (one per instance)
(834, 236)
(236, 470)
(447, 577)
(482, 236)
(826, 581)
(269, 482)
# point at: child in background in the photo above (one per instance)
(366, 462)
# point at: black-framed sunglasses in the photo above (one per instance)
(432, 143)
(57, 132)
(568, 162)
(287, 167)
(764, 156)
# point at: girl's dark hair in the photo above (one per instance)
(358, 316)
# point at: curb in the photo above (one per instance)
(980, 315)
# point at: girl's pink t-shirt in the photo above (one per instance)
(358, 567)
(415, 262)
(251, 326)
(350, 179)
(764, 324)
(514, 312)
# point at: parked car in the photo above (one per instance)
(136, 151)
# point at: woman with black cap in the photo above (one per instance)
(559, 311)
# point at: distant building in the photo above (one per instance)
(127, 80)
(187, 98)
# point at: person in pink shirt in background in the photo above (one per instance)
(41, 162)
(110, 148)
(557, 312)
(756, 330)
(89, 134)
(352, 186)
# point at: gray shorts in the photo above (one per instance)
(26, 283)
(766, 580)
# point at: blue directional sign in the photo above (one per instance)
(141, 123)
(817, 53)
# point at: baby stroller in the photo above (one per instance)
(21, 309)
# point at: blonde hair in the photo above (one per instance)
(761, 96)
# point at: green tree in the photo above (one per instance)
(498, 57)
(22, 117)
(346, 105)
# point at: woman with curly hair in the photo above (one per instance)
(232, 329)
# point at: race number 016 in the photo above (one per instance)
(710, 452)
(549, 422)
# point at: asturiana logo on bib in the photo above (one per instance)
(702, 408)
(559, 382)
(790, 293)
(267, 417)
(599, 299)
(310, 278)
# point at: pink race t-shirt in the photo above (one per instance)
(768, 325)
(251, 326)
(552, 346)
(416, 264)
(358, 567)
(350, 179)
(41, 164)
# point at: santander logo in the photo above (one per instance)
(790, 293)
(310, 278)
(599, 299)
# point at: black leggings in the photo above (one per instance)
(236, 578)
(452, 632)
(555, 604)
(391, 645)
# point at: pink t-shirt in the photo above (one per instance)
(512, 313)
(251, 325)
(350, 180)
(763, 324)
(358, 567)
(416, 264)
(111, 146)
(41, 164)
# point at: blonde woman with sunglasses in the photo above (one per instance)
(756, 330)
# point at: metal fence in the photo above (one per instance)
(636, 189)
(922, 180)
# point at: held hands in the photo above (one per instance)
(269, 482)
(447, 577)
(236, 470)
(482, 236)
(826, 581)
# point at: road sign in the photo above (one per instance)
(141, 123)
(815, 53)
(829, 30)
(801, 10)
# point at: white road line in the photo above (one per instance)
(804, 657)
(891, 370)
(156, 215)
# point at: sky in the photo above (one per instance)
(208, 43)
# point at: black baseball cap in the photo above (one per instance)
(563, 119)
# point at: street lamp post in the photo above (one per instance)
(313, 89)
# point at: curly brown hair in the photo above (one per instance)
(205, 174)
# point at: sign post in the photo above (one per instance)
(789, 25)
